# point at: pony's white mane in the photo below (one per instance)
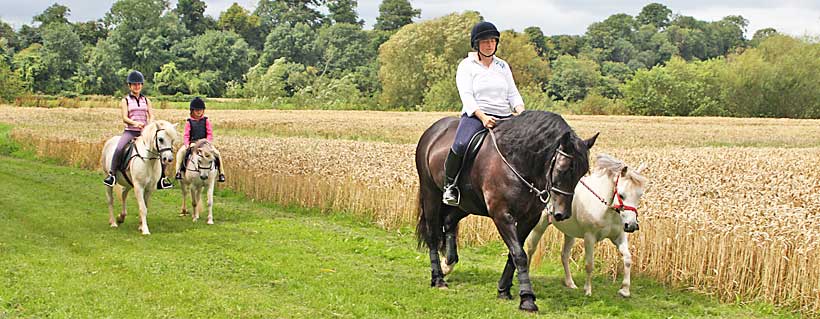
(606, 164)
(151, 129)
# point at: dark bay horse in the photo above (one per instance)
(531, 159)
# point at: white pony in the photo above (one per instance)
(143, 169)
(200, 172)
(604, 207)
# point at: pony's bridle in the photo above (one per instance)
(551, 184)
(620, 206)
(199, 166)
(156, 145)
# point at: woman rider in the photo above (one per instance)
(487, 89)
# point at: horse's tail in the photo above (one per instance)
(422, 235)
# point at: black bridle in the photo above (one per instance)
(550, 187)
(158, 151)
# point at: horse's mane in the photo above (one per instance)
(153, 126)
(606, 164)
(200, 143)
(532, 138)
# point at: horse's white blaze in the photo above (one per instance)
(144, 171)
(593, 221)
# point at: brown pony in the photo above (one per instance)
(527, 161)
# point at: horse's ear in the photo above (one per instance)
(641, 169)
(564, 140)
(591, 140)
(176, 125)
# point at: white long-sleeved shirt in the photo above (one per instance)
(491, 90)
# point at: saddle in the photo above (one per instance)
(469, 156)
(129, 151)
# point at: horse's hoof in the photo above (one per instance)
(210, 222)
(624, 293)
(505, 295)
(571, 285)
(439, 283)
(120, 220)
(445, 268)
(528, 305)
(114, 225)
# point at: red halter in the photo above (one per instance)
(616, 197)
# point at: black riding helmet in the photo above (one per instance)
(197, 104)
(135, 77)
(481, 31)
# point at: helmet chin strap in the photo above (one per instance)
(486, 56)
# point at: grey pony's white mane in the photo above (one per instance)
(606, 164)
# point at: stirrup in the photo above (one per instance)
(221, 178)
(178, 175)
(164, 184)
(454, 197)
(110, 180)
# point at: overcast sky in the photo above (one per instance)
(795, 17)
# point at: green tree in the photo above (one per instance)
(529, 70)
(761, 35)
(241, 21)
(272, 82)
(7, 33)
(343, 47)
(676, 89)
(27, 36)
(10, 85)
(29, 66)
(655, 14)
(612, 37)
(344, 11)
(538, 40)
(62, 55)
(439, 45)
(288, 13)
(102, 72)
(169, 80)
(224, 53)
(394, 14)
(56, 13)
(90, 32)
(295, 43)
(192, 14)
(142, 34)
(776, 79)
(573, 78)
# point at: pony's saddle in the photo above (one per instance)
(129, 151)
(472, 150)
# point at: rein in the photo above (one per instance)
(619, 207)
(198, 165)
(538, 192)
(156, 146)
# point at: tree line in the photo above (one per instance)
(316, 54)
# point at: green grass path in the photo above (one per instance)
(60, 259)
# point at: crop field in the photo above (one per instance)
(732, 207)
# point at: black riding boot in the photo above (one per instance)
(221, 177)
(451, 168)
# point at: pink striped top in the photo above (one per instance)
(137, 110)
